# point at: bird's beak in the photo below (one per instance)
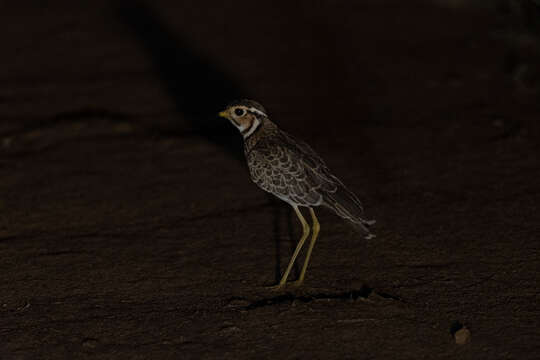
(223, 114)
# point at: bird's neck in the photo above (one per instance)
(265, 128)
(253, 127)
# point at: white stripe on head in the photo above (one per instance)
(254, 125)
(256, 111)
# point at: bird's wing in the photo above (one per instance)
(277, 166)
(290, 169)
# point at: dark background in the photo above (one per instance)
(129, 227)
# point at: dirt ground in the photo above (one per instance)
(130, 229)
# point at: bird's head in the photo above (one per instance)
(246, 115)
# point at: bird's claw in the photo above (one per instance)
(280, 287)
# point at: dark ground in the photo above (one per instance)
(130, 229)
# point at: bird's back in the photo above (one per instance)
(291, 170)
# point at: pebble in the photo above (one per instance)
(462, 336)
(238, 303)
(90, 343)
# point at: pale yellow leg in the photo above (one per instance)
(316, 228)
(305, 228)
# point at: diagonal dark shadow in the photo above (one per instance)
(198, 88)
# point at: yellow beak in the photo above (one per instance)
(223, 114)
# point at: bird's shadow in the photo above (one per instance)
(279, 210)
(198, 88)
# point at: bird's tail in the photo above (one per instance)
(345, 204)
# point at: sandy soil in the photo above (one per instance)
(129, 227)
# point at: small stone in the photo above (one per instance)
(123, 128)
(24, 307)
(90, 343)
(6, 142)
(238, 303)
(462, 336)
(499, 123)
(228, 330)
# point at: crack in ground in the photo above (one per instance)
(131, 229)
(67, 118)
(289, 298)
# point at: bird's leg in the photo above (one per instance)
(316, 228)
(305, 228)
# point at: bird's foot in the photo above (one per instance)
(281, 287)
(277, 287)
(296, 283)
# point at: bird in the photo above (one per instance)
(292, 171)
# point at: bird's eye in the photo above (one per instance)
(239, 112)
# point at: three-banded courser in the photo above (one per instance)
(291, 170)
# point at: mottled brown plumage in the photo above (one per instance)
(291, 170)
